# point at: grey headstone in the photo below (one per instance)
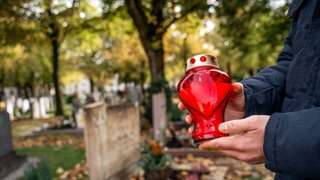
(159, 116)
(112, 137)
(5, 133)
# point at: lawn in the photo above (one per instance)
(61, 152)
(65, 157)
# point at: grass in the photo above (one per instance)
(20, 126)
(65, 157)
(57, 150)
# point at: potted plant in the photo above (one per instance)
(154, 161)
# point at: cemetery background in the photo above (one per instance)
(63, 150)
(94, 51)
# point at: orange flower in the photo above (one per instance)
(160, 148)
(154, 147)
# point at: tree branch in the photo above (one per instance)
(186, 12)
(139, 18)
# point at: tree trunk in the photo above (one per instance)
(55, 61)
(229, 69)
(2, 74)
(155, 57)
(151, 38)
(91, 85)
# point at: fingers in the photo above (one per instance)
(239, 147)
(189, 119)
(181, 106)
(250, 158)
(237, 126)
(190, 130)
(246, 143)
(225, 143)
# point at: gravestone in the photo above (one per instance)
(9, 160)
(25, 105)
(43, 107)
(134, 94)
(10, 105)
(112, 135)
(5, 133)
(159, 115)
(35, 108)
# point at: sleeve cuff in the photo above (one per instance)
(270, 140)
(248, 101)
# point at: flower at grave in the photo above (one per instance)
(153, 159)
(156, 147)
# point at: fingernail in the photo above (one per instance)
(200, 146)
(223, 127)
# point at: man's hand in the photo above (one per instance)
(246, 141)
(247, 135)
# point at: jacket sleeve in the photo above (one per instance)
(264, 92)
(291, 145)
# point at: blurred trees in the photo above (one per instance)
(152, 19)
(252, 33)
(185, 39)
(46, 40)
(47, 22)
(21, 50)
(56, 20)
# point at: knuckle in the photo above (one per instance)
(231, 126)
(216, 145)
(191, 130)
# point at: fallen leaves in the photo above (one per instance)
(218, 168)
(80, 171)
(49, 140)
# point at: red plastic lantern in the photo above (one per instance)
(205, 90)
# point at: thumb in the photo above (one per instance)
(237, 89)
(236, 126)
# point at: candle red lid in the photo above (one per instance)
(201, 60)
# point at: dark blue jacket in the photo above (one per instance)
(290, 93)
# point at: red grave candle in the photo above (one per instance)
(205, 91)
